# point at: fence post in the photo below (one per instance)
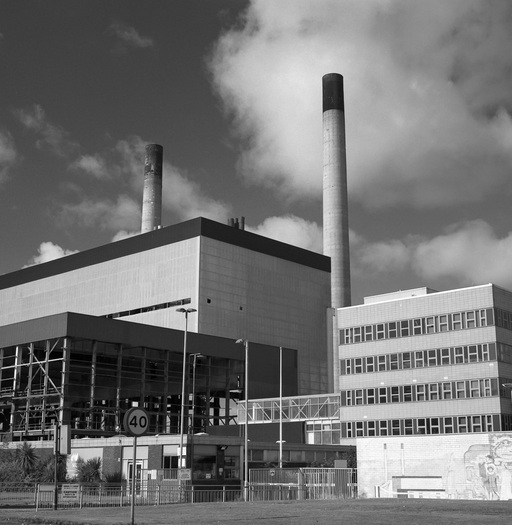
(224, 493)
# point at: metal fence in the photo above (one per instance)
(302, 483)
(264, 485)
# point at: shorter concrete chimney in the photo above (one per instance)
(152, 194)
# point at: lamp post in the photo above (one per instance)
(280, 407)
(246, 438)
(192, 418)
(185, 311)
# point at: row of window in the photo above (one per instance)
(419, 359)
(151, 308)
(421, 325)
(422, 425)
(469, 388)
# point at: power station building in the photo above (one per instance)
(86, 337)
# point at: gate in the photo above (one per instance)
(303, 483)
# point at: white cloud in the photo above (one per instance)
(52, 137)
(465, 254)
(469, 252)
(185, 198)
(130, 36)
(123, 234)
(48, 251)
(427, 87)
(8, 154)
(93, 165)
(292, 230)
(105, 214)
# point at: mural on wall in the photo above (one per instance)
(463, 467)
(489, 468)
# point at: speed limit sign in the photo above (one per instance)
(136, 422)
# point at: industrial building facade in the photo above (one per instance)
(420, 362)
(89, 336)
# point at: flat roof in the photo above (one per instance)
(264, 359)
(162, 237)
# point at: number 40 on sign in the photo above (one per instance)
(136, 422)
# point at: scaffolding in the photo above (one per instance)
(89, 385)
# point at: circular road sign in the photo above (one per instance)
(136, 422)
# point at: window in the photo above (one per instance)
(368, 332)
(485, 388)
(392, 330)
(448, 425)
(483, 352)
(476, 423)
(433, 391)
(395, 394)
(371, 396)
(350, 429)
(470, 320)
(472, 353)
(383, 395)
(418, 359)
(382, 363)
(359, 429)
(346, 366)
(447, 390)
(372, 428)
(395, 427)
(430, 325)
(474, 388)
(380, 331)
(482, 318)
(357, 334)
(359, 396)
(349, 336)
(457, 321)
(422, 425)
(358, 365)
(432, 357)
(420, 393)
(393, 362)
(462, 424)
(417, 326)
(406, 360)
(488, 423)
(349, 398)
(383, 428)
(445, 356)
(443, 323)
(458, 355)
(435, 425)
(408, 427)
(460, 389)
(505, 319)
(370, 364)
(404, 328)
(407, 393)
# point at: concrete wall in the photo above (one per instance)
(251, 295)
(477, 466)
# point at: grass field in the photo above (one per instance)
(363, 511)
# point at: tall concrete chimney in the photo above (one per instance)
(335, 198)
(152, 194)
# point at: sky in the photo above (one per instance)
(232, 91)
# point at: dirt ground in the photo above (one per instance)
(353, 512)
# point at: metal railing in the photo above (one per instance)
(264, 485)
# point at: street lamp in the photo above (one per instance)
(185, 311)
(192, 418)
(246, 438)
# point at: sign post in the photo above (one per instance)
(136, 423)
